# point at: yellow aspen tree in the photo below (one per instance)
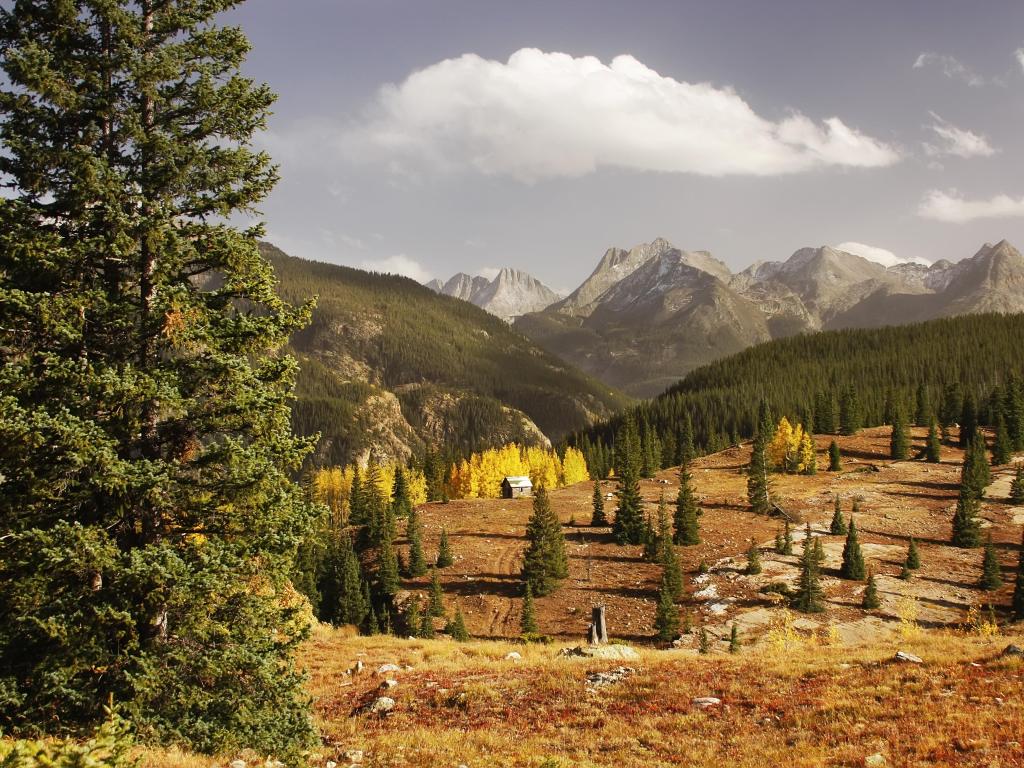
(808, 461)
(417, 483)
(780, 447)
(574, 467)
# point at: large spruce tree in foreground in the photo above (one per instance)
(147, 517)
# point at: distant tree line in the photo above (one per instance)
(964, 370)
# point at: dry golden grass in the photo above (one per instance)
(804, 703)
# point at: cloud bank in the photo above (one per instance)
(878, 255)
(956, 141)
(547, 115)
(952, 207)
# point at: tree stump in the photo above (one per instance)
(598, 633)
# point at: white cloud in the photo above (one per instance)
(878, 255)
(1019, 55)
(956, 141)
(399, 265)
(951, 67)
(954, 208)
(544, 115)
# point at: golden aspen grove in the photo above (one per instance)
(479, 476)
(792, 449)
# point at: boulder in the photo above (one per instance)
(383, 669)
(598, 679)
(1013, 650)
(236, 764)
(876, 760)
(703, 702)
(903, 657)
(620, 652)
(381, 705)
(389, 683)
(354, 755)
(513, 656)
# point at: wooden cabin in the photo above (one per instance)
(515, 487)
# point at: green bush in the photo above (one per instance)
(110, 747)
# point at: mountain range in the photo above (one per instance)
(648, 315)
(510, 294)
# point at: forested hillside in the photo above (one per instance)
(928, 369)
(388, 365)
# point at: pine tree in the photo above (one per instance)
(427, 626)
(704, 642)
(913, 558)
(753, 560)
(734, 639)
(650, 553)
(853, 558)
(870, 601)
(1017, 605)
(784, 540)
(684, 442)
(628, 527)
(1017, 486)
(968, 421)
(991, 573)
(356, 502)
(435, 601)
(598, 520)
(809, 597)
(456, 628)
(933, 446)
(923, 411)
(667, 553)
(1002, 447)
(444, 551)
(835, 462)
(899, 442)
(1014, 406)
(686, 520)
(146, 386)
(545, 563)
(372, 626)
(401, 505)
(387, 581)
(758, 483)
(850, 415)
(838, 525)
(666, 618)
(414, 534)
(966, 527)
(528, 622)
(353, 605)
(975, 474)
(413, 618)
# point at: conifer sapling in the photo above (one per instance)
(835, 463)
(444, 551)
(991, 573)
(870, 600)
(838, 525)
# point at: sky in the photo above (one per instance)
(428, 137)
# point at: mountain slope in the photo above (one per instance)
(649, 315)
(510, 294)
(390, 366)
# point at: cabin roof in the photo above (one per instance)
(518, 481)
